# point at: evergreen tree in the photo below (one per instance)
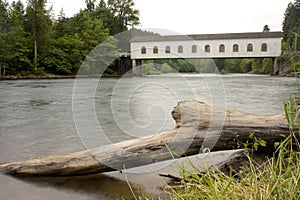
(31, 42)
(103, 13)
(90, 4)
(291, 24)
(266, 28)
(102, 3)
(4, 16)
(18, 43)
(41, 26)
(61, 25)
(125, 15)
(4, 29)
(75, 38)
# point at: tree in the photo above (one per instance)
(61, 26)
(266, 66)
(18, 43)
(246, 65)
(74, 38)
(32, 42)
(90, 4)
(291, 24)
(61, 14)
(102, 3)
(266, 28)
(124, 14)
(103, 13)
(4, 16)
(4, 29)
(41, 25)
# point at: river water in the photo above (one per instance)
(46, 117)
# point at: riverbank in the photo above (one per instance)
(275, 177)
(73, 76)
(54, 76)
(290, 74)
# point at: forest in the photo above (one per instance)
(34, 42)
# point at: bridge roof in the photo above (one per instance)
(250, 35)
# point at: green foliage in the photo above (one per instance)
(148, 68)
(291, 25)
(262, 66)
(32, 42)
(246, 65)
(266, 66)
(4, 17)
(232, 66)
(125, 15)
(101, 57)
(39, 27)
(103, 12)
(296, 66)
(166, 68)
(250, 145)
(203, 65)
(57, 61)
(276, 178)
(15, 51)
(4, 29)
(90, 4)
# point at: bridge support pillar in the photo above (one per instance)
(136, 67)
(275, 69)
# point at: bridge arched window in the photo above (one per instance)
(207, 49)
(143, 50)
(264, 47)
(249, 47)
(180, 49)
(222, 48)
(235, 48)
(194, 49)
(168, 49)
(155, 50)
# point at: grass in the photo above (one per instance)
(277, 178)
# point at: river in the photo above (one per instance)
(37, 118)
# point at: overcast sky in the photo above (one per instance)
(200, 16)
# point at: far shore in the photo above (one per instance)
(73, 76)
(54, 76)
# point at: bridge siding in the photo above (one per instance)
(274, 49)
(272, 39)
(250, 35)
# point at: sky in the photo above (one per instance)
(199, 16)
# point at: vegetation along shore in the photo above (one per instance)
(35, 44)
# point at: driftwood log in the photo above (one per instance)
(198, 127)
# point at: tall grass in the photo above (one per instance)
(277, 178)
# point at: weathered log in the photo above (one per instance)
(229, 162)
(198, 126)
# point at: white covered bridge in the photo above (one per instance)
(229, 45)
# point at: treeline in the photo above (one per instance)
(291, 27)
(258, 66)
(34, 42)
(291, 37)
